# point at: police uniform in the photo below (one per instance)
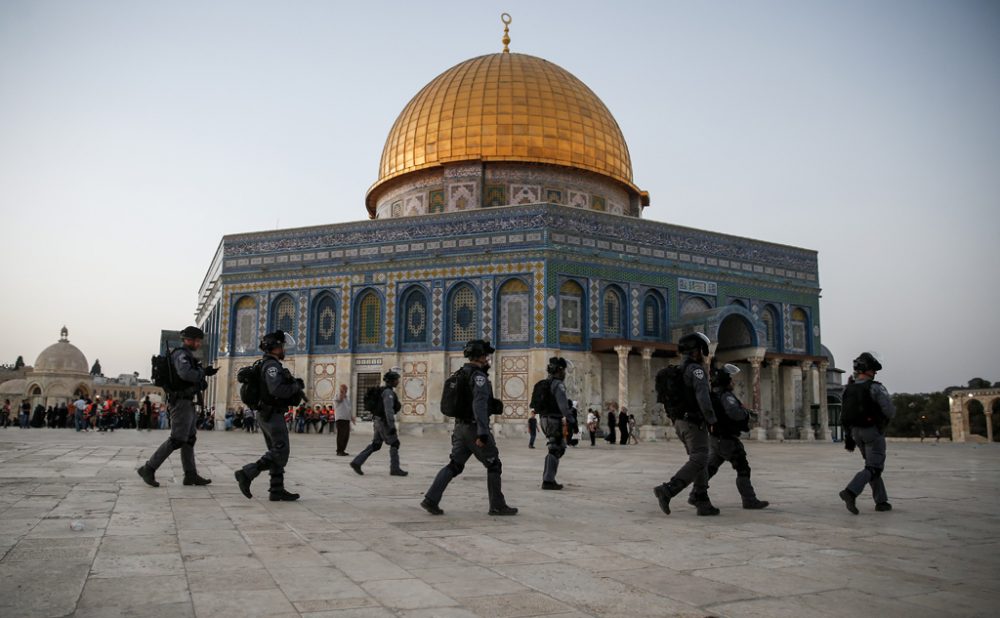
(183, 419)
(726, 445)
(463, 446)
(280, 391)
(552, 427)
(866, 409)
(385, 430)
(692, 430)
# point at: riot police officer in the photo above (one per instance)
(472, 433)
(384, 425)
(188, 385)
(279, 391)
(725, 444)
(867, 409)
(692, 429)
(557, 417)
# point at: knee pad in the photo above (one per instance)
(192, 440)
(175, 443)
(557, 451)
(493, 466)
(395, 445)
(876, 472)
(455, 467)
(742, 466)
(376, 446)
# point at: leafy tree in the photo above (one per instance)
(19, 362)
(979, 383)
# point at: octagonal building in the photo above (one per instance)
(505, 209)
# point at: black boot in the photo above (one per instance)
(431, 508)
(243, 480)
(503, 510)
(148, 475)
(399, 472)
(280, 495)
(194, 479)
(755, 504)
(705, 507)
(849, 499)
(882, 507)
(551, 485)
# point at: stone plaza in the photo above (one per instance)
(361, 546)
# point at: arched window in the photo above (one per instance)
(612, 313)
(738, 303)
(369, 322)
(245, 330)
(652, 316)
(769, 317)
(325, 321)
(571, 313)
(514, 304)
(463, 315)
(415, 316)
(799, 330)
(283, 314)
(694, 304)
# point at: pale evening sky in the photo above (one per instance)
(134, 135)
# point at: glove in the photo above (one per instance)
(211, 371)
(849, 442)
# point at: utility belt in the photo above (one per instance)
(463, 421)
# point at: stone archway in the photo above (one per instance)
(961, 402)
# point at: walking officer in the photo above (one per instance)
(384, 410)
(472, 432)
(188, 384)
(692, 428)
(279, 390)
(732, 419)
(557, 416)
(867, 409)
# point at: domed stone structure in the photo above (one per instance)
(62, 357)
(505, 209)
(505, 108)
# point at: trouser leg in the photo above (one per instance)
(375, 445)
(552, 427)
(181, 423)
(695, 469)
(343, 432)
(489, 456)
(738, 459)
(871, 443)
(278, 450)
(460, 454)
(593, 438)
(394, 457)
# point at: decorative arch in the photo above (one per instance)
(572, 308)
(613, 313)
(738, 303)
(368, 322)
(694, 304)
(463, 314)
(244, 335)
(653, 316)
(324, 322)
(736, 331)
(514, 315)
(771, 321)
(283, 314)
(413, 316)
(81, 390)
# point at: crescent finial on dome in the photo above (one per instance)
(64, 334)
(505, 18)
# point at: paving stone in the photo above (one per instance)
(406, 594)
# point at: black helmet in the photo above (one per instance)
(477, 348)
(555, 364)
(722, 377)
(694, 341)
(272, 340)
(390, 376)
(867, 362)
(192, 332)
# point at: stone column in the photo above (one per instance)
(774, 417)
(824, 410)
(647, 385)
(756, 433)
(622, 351)
(807, 432)
(989, 425)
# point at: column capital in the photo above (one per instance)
(755, 361)
(823, 365)
(647, 353)
(807, 365)
(623, 350)
(774, 363)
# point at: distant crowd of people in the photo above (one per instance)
(86, 414)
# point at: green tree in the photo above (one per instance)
(979, 383)
(19, 362)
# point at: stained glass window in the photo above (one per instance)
(651, 316)
(369, 319)
(612, 313)
(284, 315)
(798, 329)
(694, 304)
(463, 314)
(514, 303)
(770, 320)
(570, 313)
(415, 317)
(245, 332)
(325, 321)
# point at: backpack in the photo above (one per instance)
(162, 371)
(543, 402)
(456, 397)
(373, 401)
(251, 385)
(670, 391)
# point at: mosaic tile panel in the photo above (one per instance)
(595, 307)
(436, 201)
(514, 386)
(461, 195)
(597, 203)
(437, 297)
(525, 194)
(494, 195)
(554, 196)
(634, 301)
(413, 388)
(486, 288)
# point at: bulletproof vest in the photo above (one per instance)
(859, 407)
(691, 408)
(265, 395)
(185, 389)
(379, 410)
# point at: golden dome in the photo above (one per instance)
(505, 107)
